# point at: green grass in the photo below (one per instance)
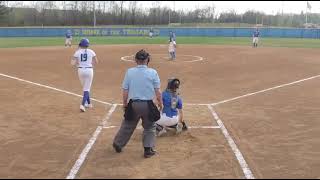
(242, 41)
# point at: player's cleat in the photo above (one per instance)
(184, 126)
(82, 108)
(88, 105)
(116, 148)
(161, 132)
(149, 152)
(178, 128)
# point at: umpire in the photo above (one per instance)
(140, 85)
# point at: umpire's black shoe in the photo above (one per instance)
(148, 152)
(116, 148)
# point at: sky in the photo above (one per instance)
(269, 7)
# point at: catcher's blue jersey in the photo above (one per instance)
(171, 104)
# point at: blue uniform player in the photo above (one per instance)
(172, 45)
(151, 33)
(172, 36)
(255, 37)
(172, 114)
(68, 41)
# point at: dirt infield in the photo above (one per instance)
(42, 132)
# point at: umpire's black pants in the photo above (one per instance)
(141, 110)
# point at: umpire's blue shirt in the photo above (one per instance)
(141, 82)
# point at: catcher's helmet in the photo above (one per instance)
(84, 42)
(173, 84)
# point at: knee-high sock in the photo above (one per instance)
(88, 97)
(85, 97)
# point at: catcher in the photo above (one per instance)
(172, 114)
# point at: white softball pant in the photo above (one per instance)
(86, 77)
(68, 41)
(168, 121)
(255, 40)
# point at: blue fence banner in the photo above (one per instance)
(204, 32)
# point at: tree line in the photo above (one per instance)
(84, 13)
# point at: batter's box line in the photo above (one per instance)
(82, 157)
(242, 162)
(190, 127)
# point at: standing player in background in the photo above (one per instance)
(172, 36)
(68, 41)
(84, 58)
(172, 49)
(151, 33)
(172, 114)
(255, 37)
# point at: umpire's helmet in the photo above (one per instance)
(84, 42)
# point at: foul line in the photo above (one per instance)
(190, 104)
(245, 168)
(269, 89)
(52, 88)
(73, 172)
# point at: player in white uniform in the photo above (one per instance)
(151, 33)
(255, 37)
(172, 49)
(84, 58)
(68, 41)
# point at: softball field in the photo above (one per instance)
(253, 113)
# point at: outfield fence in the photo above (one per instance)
(204, 32)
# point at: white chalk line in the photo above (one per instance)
(251, 94)
(204, 127)
(73, 172)
(71, 93)
(265, 90)
(190, 127)
(52, 88)
(198, 58)
(238, 154)
(245, 168)
(189, 104)
(109, 127)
